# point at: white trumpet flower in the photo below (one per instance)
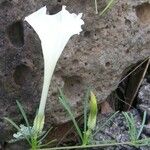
(54, 32)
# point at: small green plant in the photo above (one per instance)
(134, 132)
(89, 124)
(27, 132)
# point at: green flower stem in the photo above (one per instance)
(94, 146)
(86, 137)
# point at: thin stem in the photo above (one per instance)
(105, 123)
(91, 146)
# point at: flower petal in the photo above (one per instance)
(54, 32)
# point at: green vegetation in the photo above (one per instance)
(134, 132)
(32, 137)
(88, 125)
(90, 116)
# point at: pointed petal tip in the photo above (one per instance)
(63, 7)
(80, 15)
(41, 11)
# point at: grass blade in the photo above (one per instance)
(24, 115)
(86, 109)
(63, 101)
(43, 145)
(142, 125)
(44, 136)
(12, 123)
(132, 126)
(106, 123)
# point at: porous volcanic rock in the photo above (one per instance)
(98, 58)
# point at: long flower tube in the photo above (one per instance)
(54, 32)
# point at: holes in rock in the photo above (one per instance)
(143, 12)
(87, 33)
(75, 61)
(23, 75)
(148, 32)
(127, 51)
(85, 63)
(127, 22)
(73, 88)
(16, 34)
(107, 64)
(6, 2)
(59, 1)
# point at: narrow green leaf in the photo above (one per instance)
(24, 115)
(64, 102)
(12, 123)
(44, 136)
(132, 126)
(50, 142)
(105, 123)
(85, 108)
(142, 125)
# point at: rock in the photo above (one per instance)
(15, 146)
(18, 78)
(146, 129)
(144, 94)
(95, 57)
(98, 58)
(144, 99)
